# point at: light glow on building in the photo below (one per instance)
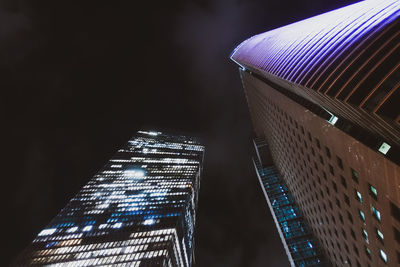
(139, 209)
(324, 95)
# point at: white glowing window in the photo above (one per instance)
(116, 166)
(47, 231)
(117, 225)
(362, 215)
(87, 228)
(384, 148)
(365, 234)
(376, 213)
(333, 120)
(359, 196)
(380, 234)
(149, 133)
(134, 173)
(149, 222)
(383, 255)
(72, 229)
(102, 226)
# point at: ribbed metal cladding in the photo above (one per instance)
(351, 55)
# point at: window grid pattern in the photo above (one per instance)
(139, 209)
(297, 236)
(329, 192)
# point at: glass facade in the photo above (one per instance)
(139, 210)
(296, 236)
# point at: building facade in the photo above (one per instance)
(300, 245)
(139, 210)
(324, 93)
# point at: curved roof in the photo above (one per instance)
(351, 54)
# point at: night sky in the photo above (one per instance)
(79, 78)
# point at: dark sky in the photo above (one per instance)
(79, 78)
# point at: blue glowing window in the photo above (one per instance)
(376, 213)
(362, 215)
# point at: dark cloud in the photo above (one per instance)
(15, 39)
(81, 78)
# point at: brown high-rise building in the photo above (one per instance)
(324, 93)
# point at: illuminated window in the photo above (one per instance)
(365, 235)
(362, 215)
(358, 196)
(87, 228)
(333, 120)
(72, 229)
(383, 255)
(47, 231)
(376, 213)
(373, 191)
(384, 148)
(379, 234)
(149, 222)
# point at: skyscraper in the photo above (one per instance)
(139, 210)
(324, 93)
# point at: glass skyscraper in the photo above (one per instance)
(139, 210)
